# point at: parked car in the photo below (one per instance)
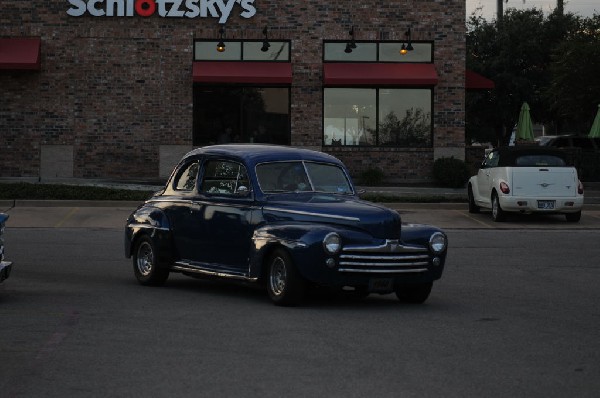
(573, 141)
(527, 179)
(5, 266)
(283, 217)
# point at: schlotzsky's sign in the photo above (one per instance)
(165, 8)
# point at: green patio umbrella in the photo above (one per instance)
(524, 125)
(595, 130)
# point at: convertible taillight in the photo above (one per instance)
(504, 188)
(580, 188)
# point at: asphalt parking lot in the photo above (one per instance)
(94, 214)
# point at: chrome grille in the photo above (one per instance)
(390, 257)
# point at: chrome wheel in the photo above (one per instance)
(277, 276)
(145, 264)
(145, 258)
(284, 283)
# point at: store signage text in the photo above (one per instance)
(165, 8)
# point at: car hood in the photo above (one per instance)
(378, 221)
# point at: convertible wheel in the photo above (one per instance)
(498, 214)
(573, 217)
(145, 264)
(473, 208)
(284, 284)
(414, 294)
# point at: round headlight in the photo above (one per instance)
(332, 243)
(438, 242)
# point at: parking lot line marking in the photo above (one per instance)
(65, 218)
(474, 219)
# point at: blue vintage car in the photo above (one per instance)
(5, 266)
(285, 217)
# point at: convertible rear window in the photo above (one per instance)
(539, 160)
(299, 176)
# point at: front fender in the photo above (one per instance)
(153, 222)
(304, 243)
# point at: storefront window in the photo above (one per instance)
(405, 117)
(224, 114)
(421, 52)
(377, 116)
(277, 51)
(364, 52)
(349, 116)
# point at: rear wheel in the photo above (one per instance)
(414, 293)
(498, 214)
(145, 265)
(573, 217)
(284, 283)
(473, 208)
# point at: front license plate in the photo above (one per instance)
(546, 204)
(381, 285)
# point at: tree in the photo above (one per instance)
(573, 95)
(524, 55)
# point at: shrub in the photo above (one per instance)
(450, 172)
(371, 177)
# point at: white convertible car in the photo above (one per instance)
(526, 179)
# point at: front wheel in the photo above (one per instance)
(145, 265)
(284, 284)
(498, 214)
(415, 293)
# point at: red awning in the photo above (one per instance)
(243, 72)
(371, 74)
(474, 81)
(20, 53)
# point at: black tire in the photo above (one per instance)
(285, 285)
(415, 293)
(473, 208)
(145, 264)
(573, 217)
(498, 214)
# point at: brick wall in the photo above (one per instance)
(116, 89)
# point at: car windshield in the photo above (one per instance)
(298, 176)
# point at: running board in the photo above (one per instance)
(184, 267)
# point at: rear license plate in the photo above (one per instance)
(381, 285)
(546, 204)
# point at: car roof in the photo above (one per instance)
(258, 153)
(509, 154)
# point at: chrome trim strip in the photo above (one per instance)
(138, 225)
(191, 268)
(368, 257)
(384, 271)
(390, 246)
(382, 265)
(307, 213)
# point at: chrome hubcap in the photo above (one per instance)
(495, 207)
(144, 259)
(277, 276)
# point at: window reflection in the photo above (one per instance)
(362, 52)
(278, 51)
(350, 117)
(405, 117)
(393, 117)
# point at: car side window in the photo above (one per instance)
(186, 180)
(491, 160)
(225, 178)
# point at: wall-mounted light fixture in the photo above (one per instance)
(351, 45)
(265, 45)
(221, 44)
(408, 46)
